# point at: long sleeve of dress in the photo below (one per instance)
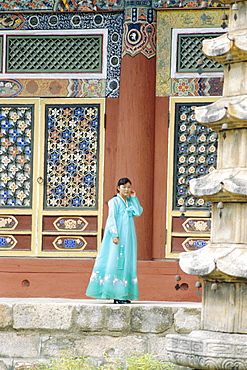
(111, 224)
(135, 207)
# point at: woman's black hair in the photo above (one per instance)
(123, 181)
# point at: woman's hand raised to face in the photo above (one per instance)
(133, 193)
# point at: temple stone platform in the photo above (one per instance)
(37, 329)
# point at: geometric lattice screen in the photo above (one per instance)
(16, 155)
(72, 147)
(47, 53)
(192, 154)
(189, 50)
(195, 154)
(51, 171)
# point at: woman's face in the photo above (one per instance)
(124, 190)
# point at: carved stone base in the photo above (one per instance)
(208, 350)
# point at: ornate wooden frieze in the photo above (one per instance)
(61, 5)
(197, 85)
(139, 30)
(24, 52)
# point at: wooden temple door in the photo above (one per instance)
(51, 174)
(192, 153)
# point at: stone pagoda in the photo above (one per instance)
(222, 265)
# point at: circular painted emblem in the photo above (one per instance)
(76, 20)
(98, 19)
(53, 20)
(113, 84)
(114, 61)
(134, 37)
(34, 21)
(115, 37)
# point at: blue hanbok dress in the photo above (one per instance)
(114, 273)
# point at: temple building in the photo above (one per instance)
(92, 91)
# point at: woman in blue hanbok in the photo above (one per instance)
(114, 273)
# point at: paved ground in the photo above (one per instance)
(93, 301)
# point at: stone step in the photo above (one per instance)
(37, 329)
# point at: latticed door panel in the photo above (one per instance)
(50, 177)
(72, 166)
(72, 148)
(17, 140)
(193, 153)
(16, 155)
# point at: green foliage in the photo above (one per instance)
(146, 361)
(111, 364)
(65, 362)
(142, 361)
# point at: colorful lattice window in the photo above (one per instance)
(195, 154)
(192, 153)
(54, 53)
(72, 146)
(16, 155)
(189, 51)
(51, 177)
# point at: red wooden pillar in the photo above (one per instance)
(135, 139)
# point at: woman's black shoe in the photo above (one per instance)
(119, 301)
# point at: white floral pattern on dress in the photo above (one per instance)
(113, 230)
(108, 279)
(135, 280)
